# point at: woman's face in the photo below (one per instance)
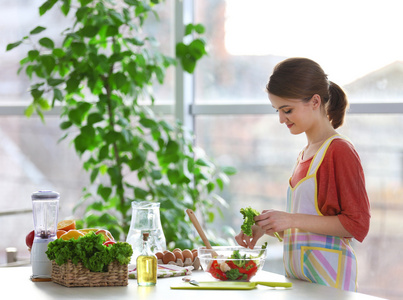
(296, 114)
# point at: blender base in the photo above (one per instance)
(41, 265)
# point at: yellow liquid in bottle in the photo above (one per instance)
(146, 270)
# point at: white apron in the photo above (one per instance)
(323, 259)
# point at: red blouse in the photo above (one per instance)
(341, 187)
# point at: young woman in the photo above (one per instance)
(327, 204)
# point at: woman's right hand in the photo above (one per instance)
(249, 241)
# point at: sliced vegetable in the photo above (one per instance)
(216, 271)
(109, 243)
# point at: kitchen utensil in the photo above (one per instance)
(230, 285)
(199, 229)
(191, 281)
(45, 208)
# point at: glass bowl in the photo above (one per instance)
(232, 263)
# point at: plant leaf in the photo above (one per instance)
(33, 54)
(29, 110)
(37, 30)
(55, 81)
(13, 45)
(46, 6)
(47, 42)
(65, 125)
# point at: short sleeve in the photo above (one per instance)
(341, 188)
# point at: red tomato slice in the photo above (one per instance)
(216, 272)
(109, 243)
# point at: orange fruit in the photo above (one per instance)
(60, 233)
(71, 234)
(88, 230)
(66, 225)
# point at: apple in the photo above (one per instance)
(107, 235)
(29, 239)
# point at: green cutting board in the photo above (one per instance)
(229, 285)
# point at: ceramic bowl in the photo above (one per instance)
(232, 263)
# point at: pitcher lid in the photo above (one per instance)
(45, 195)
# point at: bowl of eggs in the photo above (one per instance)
(178, 257)
(232, 263)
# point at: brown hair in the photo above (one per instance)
(301, 78)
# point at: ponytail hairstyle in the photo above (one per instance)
(301, 78)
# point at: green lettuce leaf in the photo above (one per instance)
(90, 251)
(248, 214)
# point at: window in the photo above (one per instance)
(245, 43)
(236, 125)
(234, 122)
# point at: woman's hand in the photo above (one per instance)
(271, 221)
(249, 241)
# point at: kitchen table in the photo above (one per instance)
(16, 284)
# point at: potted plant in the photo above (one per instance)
(99, 73)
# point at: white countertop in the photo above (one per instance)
(15, 282)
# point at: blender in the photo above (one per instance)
(45, 207)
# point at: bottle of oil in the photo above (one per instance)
(146, 265)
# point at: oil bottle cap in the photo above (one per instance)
(145, 236)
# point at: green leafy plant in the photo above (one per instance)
(99, 73)
(90, 251)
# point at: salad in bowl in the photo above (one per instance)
(232, 263)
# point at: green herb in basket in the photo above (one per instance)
(90, 251)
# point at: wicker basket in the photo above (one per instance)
(71, 275)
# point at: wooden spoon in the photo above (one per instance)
(196, 224)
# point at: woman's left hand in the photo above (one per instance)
(272, 221)
(249, 241)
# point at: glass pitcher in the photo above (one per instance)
(145, 218)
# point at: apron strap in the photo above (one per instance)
(320, 154)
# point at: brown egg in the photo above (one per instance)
(176, 249)
(187, 254)
(159, 255)
(165, 251)
(178, 255)
(168, 256)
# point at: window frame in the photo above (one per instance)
(189, 111)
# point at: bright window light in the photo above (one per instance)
(325, 31)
